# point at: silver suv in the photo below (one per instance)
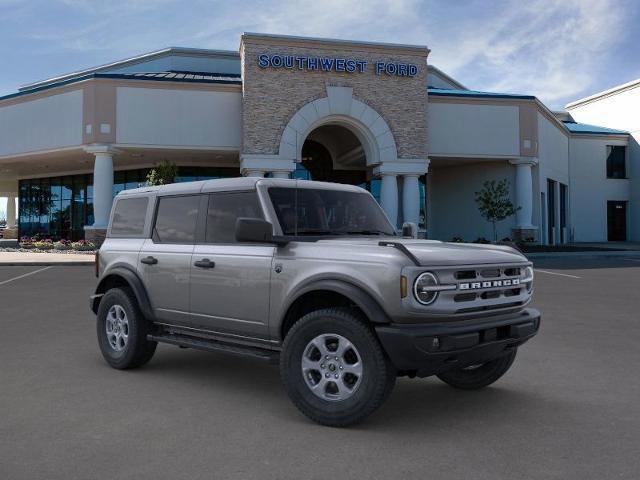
(312, 276)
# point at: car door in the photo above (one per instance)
(165, 258)
(230, 281)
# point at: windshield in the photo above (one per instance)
(307, 211)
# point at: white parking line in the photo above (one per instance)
(25, 275)
(556, 273)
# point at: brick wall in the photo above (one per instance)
(271, 96)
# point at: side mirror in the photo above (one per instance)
(253, 230)
(257, 230)
(409, 230)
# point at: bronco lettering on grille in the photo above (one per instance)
(508, 282)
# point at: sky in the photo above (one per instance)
(558, 50)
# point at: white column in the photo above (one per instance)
(389, 196)
(102, 184)
(254, 173)
(524, 192)
(280, 174)
(411, 198)
(11, 211)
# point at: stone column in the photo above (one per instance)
(389, 197)
(524, 197)
(11, 212)
(11, 232)
(411, 198)
(102, 191)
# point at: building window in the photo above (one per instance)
(60, 207)
(616, 161)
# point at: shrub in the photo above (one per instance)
(457, 240)
(83, 245)
(62, 245)
(43, 244)
(481, 240)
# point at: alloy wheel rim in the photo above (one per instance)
(332, 367)
(117, 328)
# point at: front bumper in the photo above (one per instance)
(431, 349)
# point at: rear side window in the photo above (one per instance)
(224, 209)
(176, 219)
(128, 217)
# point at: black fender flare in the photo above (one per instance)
(363, 300)
(133, 281)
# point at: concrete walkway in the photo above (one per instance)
(33, 258)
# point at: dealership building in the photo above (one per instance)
(370, 114)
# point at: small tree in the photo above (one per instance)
(494, 203)
(163, 173)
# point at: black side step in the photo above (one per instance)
(264, 355)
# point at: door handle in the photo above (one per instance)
(149, 260)
(204, 263)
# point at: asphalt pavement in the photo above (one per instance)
(568, 409)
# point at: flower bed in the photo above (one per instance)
(47, 245)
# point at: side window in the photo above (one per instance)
(176, 219)
(128, 217)
(616, 161)
(224, 210)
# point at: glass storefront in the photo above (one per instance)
(60, 207)
(373, 186)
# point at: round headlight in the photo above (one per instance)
(423, 288)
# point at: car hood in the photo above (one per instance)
(435, 253)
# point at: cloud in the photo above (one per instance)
(551, 49)
(558, 50)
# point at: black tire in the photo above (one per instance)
(476, 377)
(375, 384)
(138, 350)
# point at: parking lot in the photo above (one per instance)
(569, 408)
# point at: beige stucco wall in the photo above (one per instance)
(272, 96)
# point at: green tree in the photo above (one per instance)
(163, 173)
(494, 203)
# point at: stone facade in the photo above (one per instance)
(272, 96)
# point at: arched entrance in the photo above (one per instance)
(341, 139)
(332, 153)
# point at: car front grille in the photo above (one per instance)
(481, 289)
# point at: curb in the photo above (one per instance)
(73, 263)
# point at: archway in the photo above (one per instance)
(345, 140)
(332, 153)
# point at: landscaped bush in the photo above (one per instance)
(457, 240)
(83, 245)
(43, 244)
(62, 245)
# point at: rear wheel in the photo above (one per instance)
(334, 369)
(122, 330)
(479, 376)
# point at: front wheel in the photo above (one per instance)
(479, 376)
(334, 369)
(122, 330)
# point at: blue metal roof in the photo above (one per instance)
(188, 77)
(575, 127)
(444, 92)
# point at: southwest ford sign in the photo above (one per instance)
(335, 64)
